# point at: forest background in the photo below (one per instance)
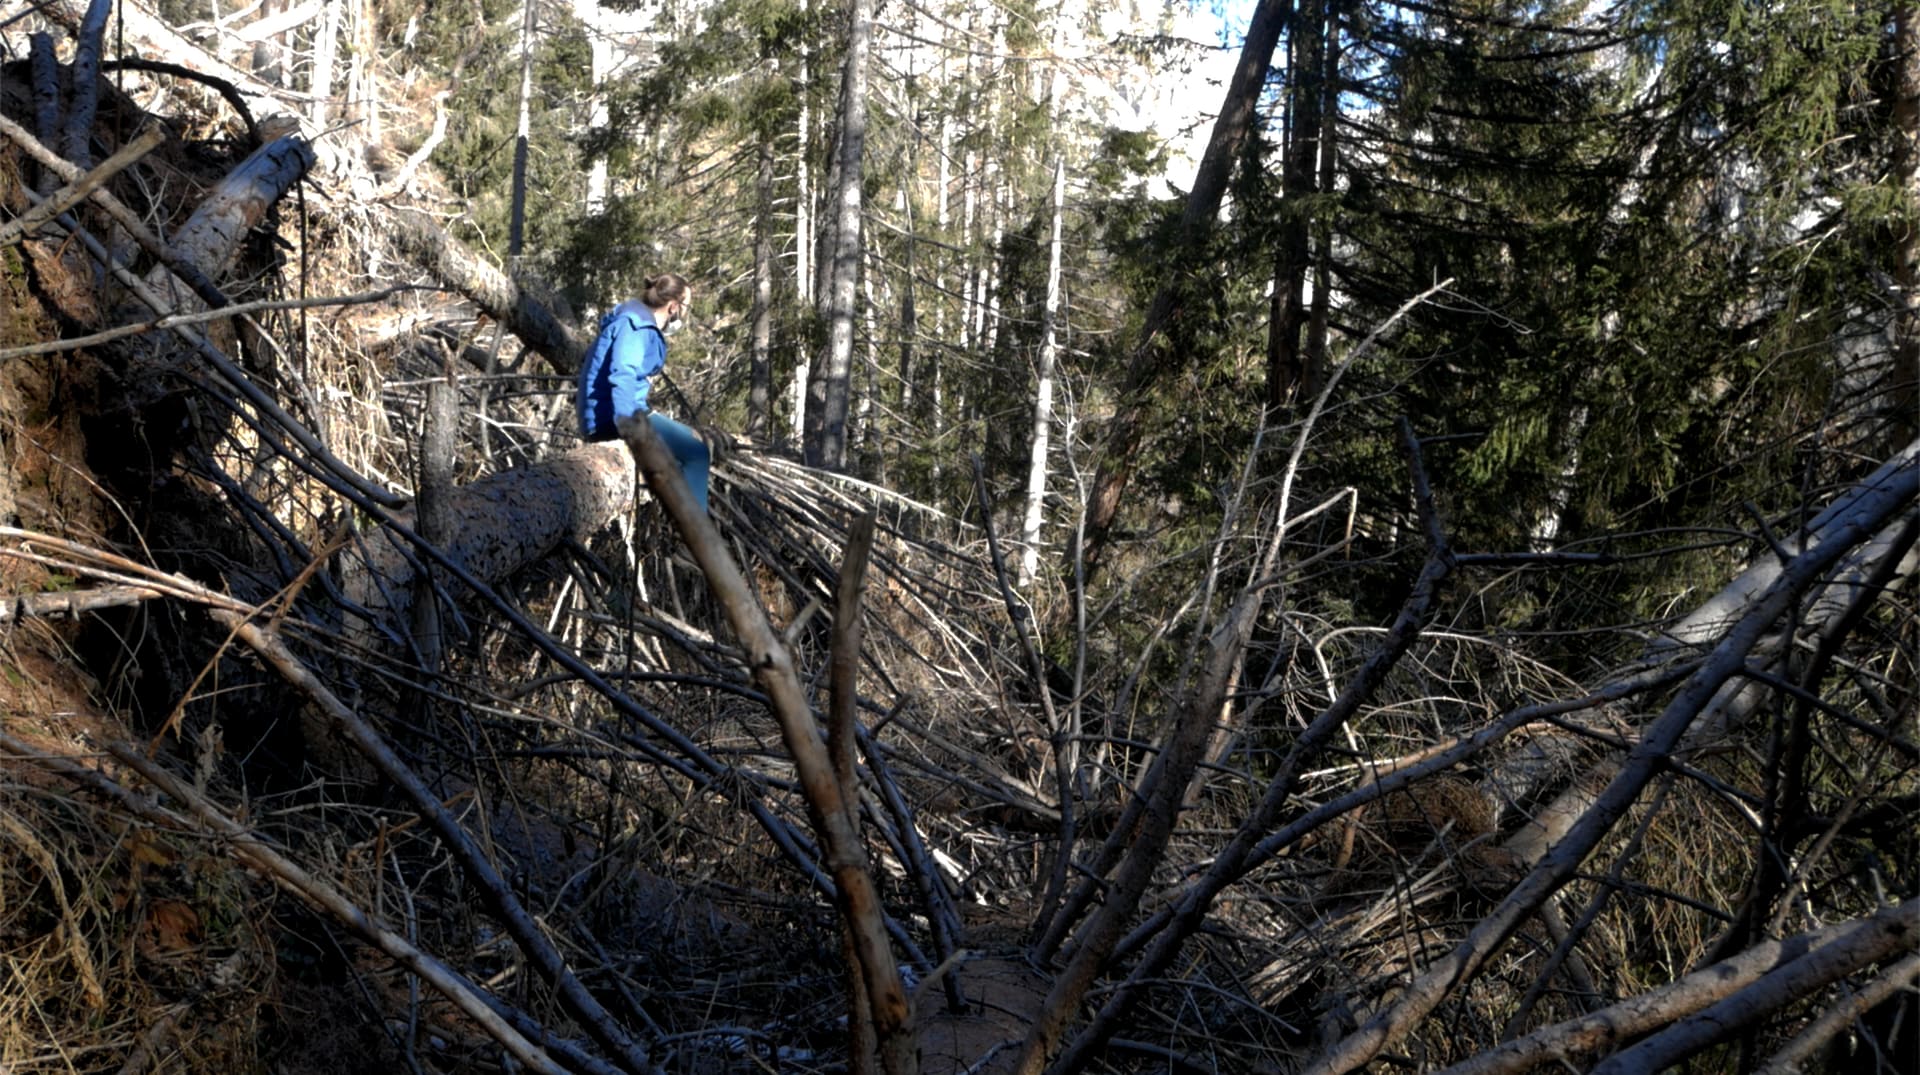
(1434, 589)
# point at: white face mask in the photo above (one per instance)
(673, 326)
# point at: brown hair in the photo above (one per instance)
(665, 288)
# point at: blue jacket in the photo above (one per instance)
(617, 375)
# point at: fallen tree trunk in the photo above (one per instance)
(498, 295)
(1565, 1043)
(211, 239)
(496, 526)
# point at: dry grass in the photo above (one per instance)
(124, 948)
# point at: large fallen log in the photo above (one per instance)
(497, 525)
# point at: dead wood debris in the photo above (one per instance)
(604, 860)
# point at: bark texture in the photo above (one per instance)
(496, 526)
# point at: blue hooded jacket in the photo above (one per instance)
(617, 375)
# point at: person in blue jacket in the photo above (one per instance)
(616, 380)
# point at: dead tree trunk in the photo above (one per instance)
(495, 526)
(84, 91)
(497, 294)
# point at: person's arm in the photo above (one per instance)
(637, 356)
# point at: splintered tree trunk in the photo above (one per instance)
(828, 388)
(1043, 392)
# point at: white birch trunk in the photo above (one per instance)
(1043, 392)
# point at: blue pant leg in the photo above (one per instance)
(689, 449)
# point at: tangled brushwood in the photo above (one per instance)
(358, 719)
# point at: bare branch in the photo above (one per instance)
(1605, 1030)
(773, 666)
(1893, 930)
(1867, 514)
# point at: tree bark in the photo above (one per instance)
(211, 239)
(84, 85)
(46, 99)
(497, 525)
(828, 391)
(435, 488)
